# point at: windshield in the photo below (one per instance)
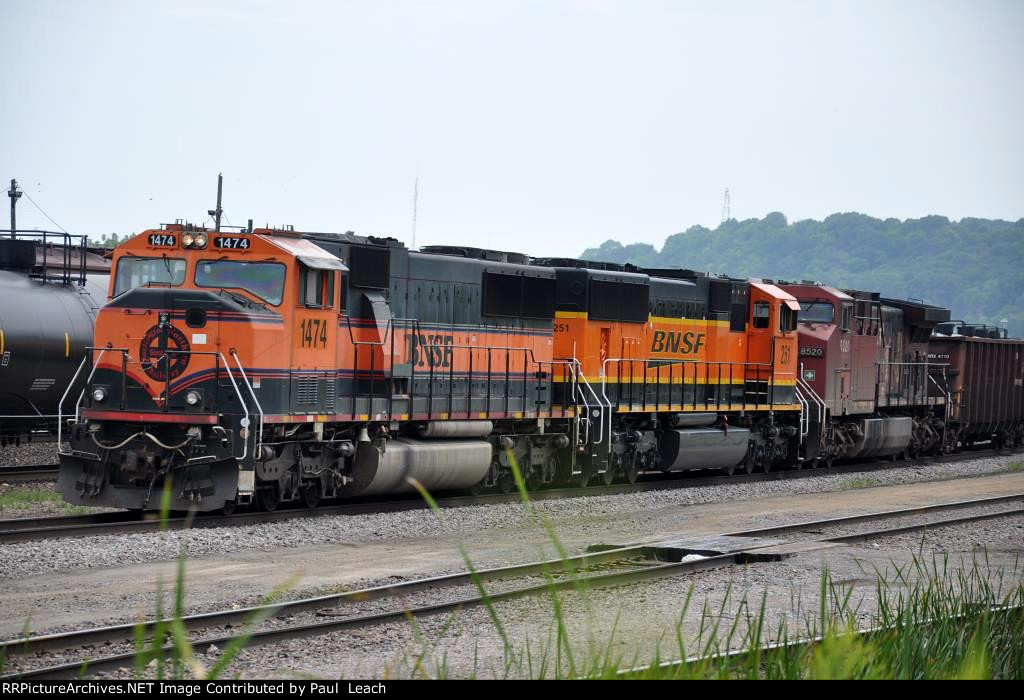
(817, 312)
(138, 272)
(264, 280)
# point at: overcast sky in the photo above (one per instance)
(544, 126)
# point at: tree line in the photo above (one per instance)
(973, 267)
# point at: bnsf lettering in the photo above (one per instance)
(677, 343)
(431, 350)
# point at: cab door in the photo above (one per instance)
(315, 337)
(760, 337)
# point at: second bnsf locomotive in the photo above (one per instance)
(276, 366)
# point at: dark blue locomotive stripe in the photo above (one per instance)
(223, 316)
(440, 374)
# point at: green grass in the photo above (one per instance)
(21, 499)
(1016, 466)
(932, 619)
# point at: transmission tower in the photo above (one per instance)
(726, 214)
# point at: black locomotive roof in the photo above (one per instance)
(919, 313)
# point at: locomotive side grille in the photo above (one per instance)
(329, 395)
(307, 390)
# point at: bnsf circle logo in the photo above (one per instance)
(153, 353)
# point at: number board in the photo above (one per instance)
(231, 242)
(163, 240)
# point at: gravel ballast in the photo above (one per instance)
(36, 453)
(632, 624)
(656, 604)
(601, 518)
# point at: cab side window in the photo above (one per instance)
(844, 317)
(762, 314)
(787, 319)
(316, 288)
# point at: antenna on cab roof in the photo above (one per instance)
(215, 213)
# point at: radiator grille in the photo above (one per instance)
(307, 390)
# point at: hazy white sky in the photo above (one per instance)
(542, 126)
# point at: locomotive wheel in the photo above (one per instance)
(506, 482)
(268, 497)
(311, 492)
(228, 508)
(630, 472)
(533, 479)
(580, 480)
(608, 478)
(765, 460)
(749, 462)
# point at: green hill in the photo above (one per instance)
(975, 267)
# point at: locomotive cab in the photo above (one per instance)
(187, 352)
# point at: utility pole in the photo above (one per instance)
(215, 213)
(15, 195)
(726, 213)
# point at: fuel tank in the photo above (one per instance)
(881, 437)
(440, 465)
(702, 448)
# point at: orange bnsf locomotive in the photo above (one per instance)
(276, 366)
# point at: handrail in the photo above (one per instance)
(804, 417)
(67, 242)
(657, 364)
(60, 406)
(257, 447)
(606, 404)
(163, 358)
(245, 421)
(913, 390)
(818, 402)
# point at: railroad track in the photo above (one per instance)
(126, 522)
(43, 472)
(604, 567)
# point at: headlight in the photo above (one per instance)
(200, 240)
(192, 398)
(99, 394)
(187, 240)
